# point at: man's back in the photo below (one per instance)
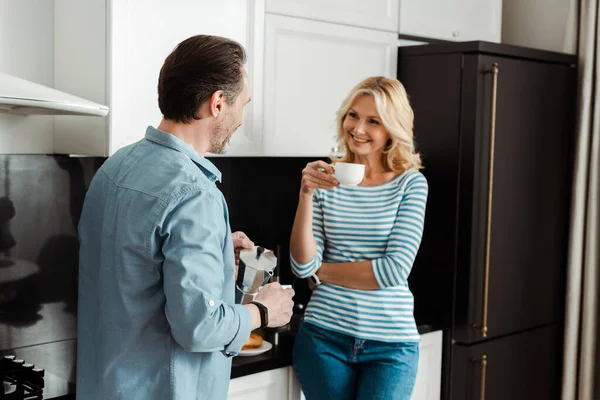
(155, 262)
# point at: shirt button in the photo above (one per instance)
(211, 303)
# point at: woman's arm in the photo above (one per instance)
(394, 267)
(352, 275)
(307, 239)
(302, 241)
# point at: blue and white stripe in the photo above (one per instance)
(383, 224)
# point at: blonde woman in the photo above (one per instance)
(359, 339)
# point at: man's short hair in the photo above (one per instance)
(198, 67)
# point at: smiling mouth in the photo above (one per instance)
(359, 140)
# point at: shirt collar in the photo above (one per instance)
(173, 142)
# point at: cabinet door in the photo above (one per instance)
(80, 38)
(268, 385)
(376, 14)
(121, 46)
(429, 375)
(529, 193)
(310, 67)
(523, 366)
(295, 390)
(460, 20)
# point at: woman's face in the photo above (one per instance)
(363, 129)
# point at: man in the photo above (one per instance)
(157, 264)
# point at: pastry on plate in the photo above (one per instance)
(254, 341)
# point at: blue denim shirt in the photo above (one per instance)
(157, 318)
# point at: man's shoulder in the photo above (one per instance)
(156, 171)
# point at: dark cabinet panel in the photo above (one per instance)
(522, 366)
(437, 119)
(530, 196)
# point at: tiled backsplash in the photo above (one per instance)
(40, 204)
(262, 194)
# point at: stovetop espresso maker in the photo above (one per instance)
(255, 269)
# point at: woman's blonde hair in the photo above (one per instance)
(397, 116)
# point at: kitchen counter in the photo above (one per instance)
(279, 356)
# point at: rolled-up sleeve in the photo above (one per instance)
(193, 239)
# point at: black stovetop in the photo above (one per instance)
(21, 380)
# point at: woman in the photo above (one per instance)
(359, 338)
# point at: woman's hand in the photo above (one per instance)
(241, 242)
(317, 174)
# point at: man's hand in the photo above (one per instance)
(279, 303)
(241, 242)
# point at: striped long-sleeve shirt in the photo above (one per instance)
(383, 224)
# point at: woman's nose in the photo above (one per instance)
(360, 127)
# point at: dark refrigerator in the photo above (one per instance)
(495, 126)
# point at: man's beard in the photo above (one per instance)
(220, 140)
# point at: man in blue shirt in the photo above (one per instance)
(157, 318)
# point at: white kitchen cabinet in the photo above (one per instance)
(111, 52)
(267, 385)
(295, 390)
(457, 20)
(309, 68)
(375, 14)
(429, 375)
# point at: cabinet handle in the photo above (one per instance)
(483, 376)
(486, 276)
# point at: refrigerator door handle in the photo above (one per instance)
(483, 376)
(486, 278)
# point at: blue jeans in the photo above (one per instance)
(332, 366)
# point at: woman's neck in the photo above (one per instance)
(376, 172)
(373, 164)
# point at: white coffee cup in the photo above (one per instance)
(349, 174)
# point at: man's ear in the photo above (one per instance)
(217, 101)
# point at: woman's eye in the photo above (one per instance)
(352, 115)
(374, 122)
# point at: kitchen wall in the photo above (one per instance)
(40, 204)
(543, 24)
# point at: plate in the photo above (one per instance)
(263, 348)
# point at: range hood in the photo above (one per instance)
(19, 96)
